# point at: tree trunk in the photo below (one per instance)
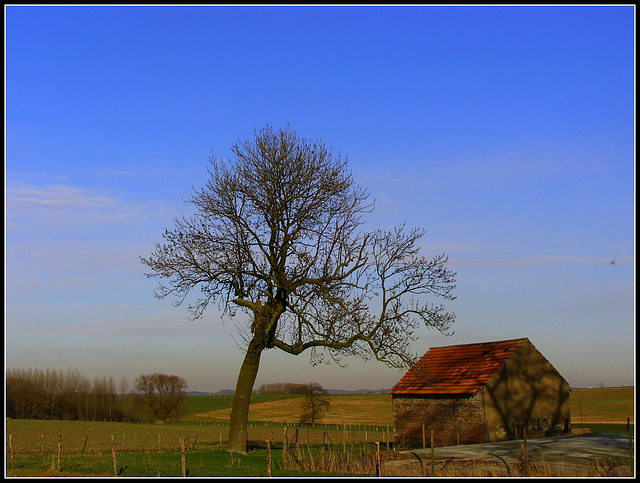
(242, 398)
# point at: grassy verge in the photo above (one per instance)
(301, 461)
(602, 428)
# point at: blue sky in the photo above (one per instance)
(506, 132)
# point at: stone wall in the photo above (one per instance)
(453, 419)
(535, 428)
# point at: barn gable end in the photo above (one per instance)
(479, 392)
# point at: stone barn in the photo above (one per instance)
(472, 393)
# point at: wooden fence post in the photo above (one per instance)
(285, 449)
(42, 444)
(85, 443)
(11, 450)
(388, 439)
(433, 454)
(630, 446)
(59, 450)
(377, 459)
(523, 448)
(268, 459)
(424, 440)
(344, 439)
(113, 457)
(184, 472)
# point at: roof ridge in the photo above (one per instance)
(521, 339)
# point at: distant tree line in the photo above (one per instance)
(51, 394)
(282, 388)
(54, 394)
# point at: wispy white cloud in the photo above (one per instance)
(129, 323)
(457, 261)
(538, 260)
(25, 196)
(37, 207)
(575, 259)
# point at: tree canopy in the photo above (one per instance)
(278, 233)
(161, 394)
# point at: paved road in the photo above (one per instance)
(568, 451)
(582, 446)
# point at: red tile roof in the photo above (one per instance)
(456, 369)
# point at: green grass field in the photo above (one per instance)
(602, 405)
(198, 463)
(348, 431)
(155, 450)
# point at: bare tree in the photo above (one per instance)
(52, 385)
(25, 399)
(100, 395)
(123, 386)
(315, 403)
(162, 394)
(277, 233)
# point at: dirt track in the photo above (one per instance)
(567, 454)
